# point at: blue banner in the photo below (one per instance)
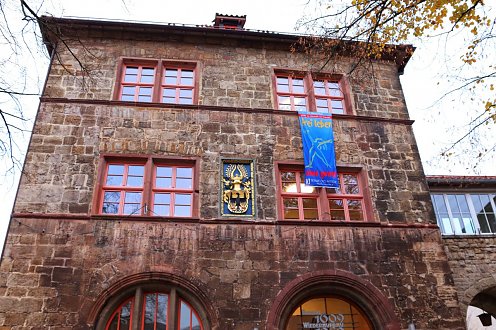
(318, 150)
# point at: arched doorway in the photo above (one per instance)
(481, 311)
(330, 312)
(322, 298)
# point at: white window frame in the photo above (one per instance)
(473, 215)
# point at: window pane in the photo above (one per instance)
(291, 214)
(446, 226)
(163, 182)
(356, 215)
(439, 204)
(131, 70)
(186, 93)
(114, 180)
(147, 75)
(185, 101)
(321, 103)
(337, 104)
(127, 97)
(134, 181)
(184, 172)
(161, 199)
(125, 317)
(351, 184)
(195, 324)
(318, 84)
(311, 214)
(169, 99)
(337, 215)
(110, 208)
(144, 98)
(183, 199)
(137, 170)
(336, 204)
(182, 211)
(284, 103)
(133, 197)
(462, 203)
(116, 169)
(162, 312)
(334, 90)
(164, 171)
(492, 222)
(113, 324)
(282, 84)
(161, 210)
(183, 183)
(169, 92)
(149, 317)
(185, 317)
(483, 224)
(131, 209)
(171, 76)
(320, 91)
(112, 196)
(187, 73)
(187, 81)
(309, 203)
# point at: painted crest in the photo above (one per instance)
(237, 188)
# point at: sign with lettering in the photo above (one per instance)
(326, 322)
(318, 150)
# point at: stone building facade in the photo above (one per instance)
(78, 257)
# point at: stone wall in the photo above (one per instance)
(471, 260)
(60, 257)
(47, 282)
(68, 138)
(230, 76)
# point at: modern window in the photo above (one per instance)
(301, 202)
(459, 214)
(304, 92)
(155, 310)
(158, 81)
(156, 187)
(328, 312)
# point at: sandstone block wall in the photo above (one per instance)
(54, 270)
(472, 262)
(59, 260)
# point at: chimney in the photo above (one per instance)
(229, 22)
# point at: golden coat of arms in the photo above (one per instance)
(237, 188)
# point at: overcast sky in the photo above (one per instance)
(436, 126)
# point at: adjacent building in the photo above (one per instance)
(164, 188)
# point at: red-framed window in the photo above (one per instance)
(298, 201)
(173, 191)
(148, 186)
(121, 318)
(291, 93)
(178, 85)
(123, 188)
(306, 92)
(157, 81)
(329, 97)
(155, 313)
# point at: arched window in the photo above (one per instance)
(328, 312)
(140, 308)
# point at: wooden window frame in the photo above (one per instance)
(323, 196)
(148, 189)
(158, 83)
(311, 98)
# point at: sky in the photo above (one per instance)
(437, 124)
